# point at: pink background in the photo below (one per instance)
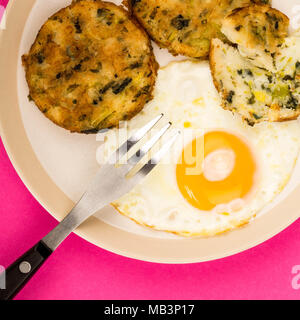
(2, 3)
(80, 270)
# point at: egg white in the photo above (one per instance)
(186, 95)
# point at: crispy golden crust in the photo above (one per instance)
(240, 92)
(90, 67)
(257, 26)
(185, 27)
(259, 31)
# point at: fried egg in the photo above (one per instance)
(220, 173)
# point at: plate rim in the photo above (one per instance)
(145, 248)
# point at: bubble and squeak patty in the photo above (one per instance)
(90, 67)
(259, 31)
(258, 94)
(185, 27)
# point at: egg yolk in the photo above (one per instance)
(215, 169)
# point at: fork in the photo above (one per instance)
(110, 183)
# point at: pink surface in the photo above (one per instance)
(80, 270)
(3, 4)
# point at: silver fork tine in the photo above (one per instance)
(148, 145)
(154, 161)
(135, 138)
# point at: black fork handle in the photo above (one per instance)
(21, 271)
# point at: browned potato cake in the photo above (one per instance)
(255, 93)
(259, 32)
(90, 67)
(185, 27)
